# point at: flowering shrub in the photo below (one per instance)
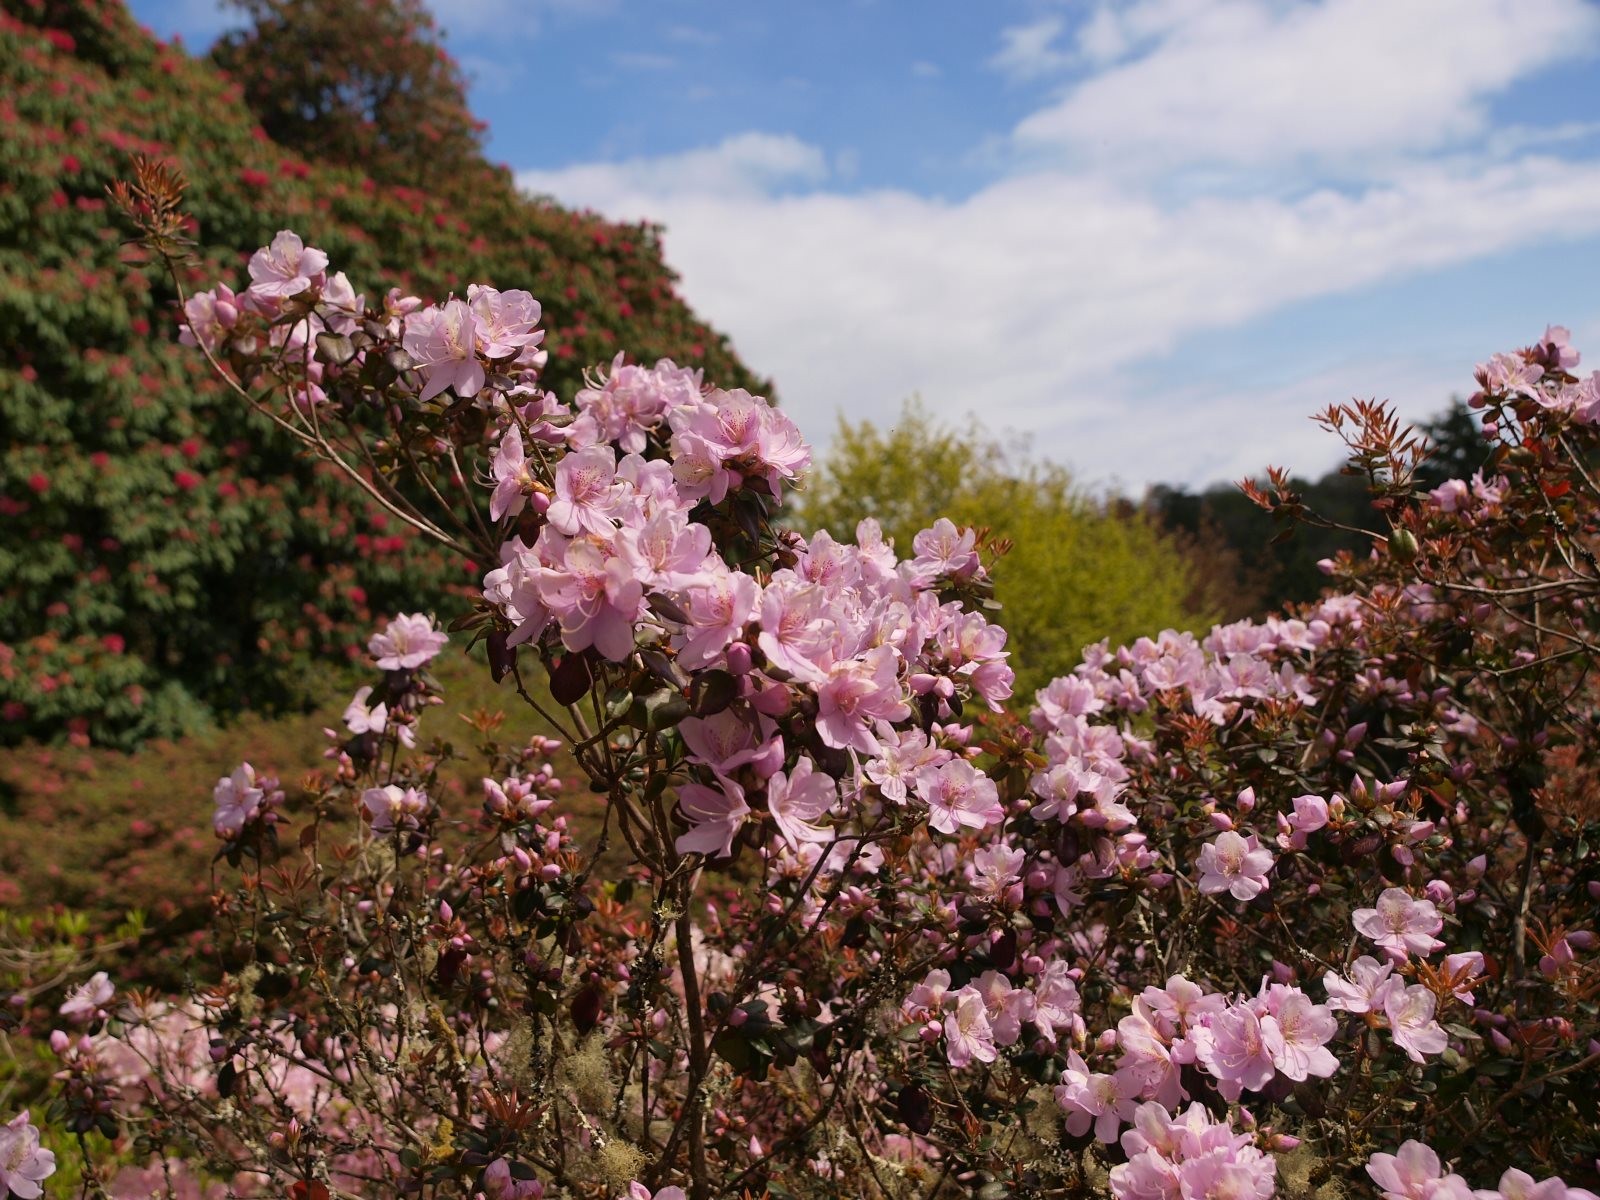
(164, 555)
(1299, 907)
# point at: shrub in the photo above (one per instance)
(1299, 907)
(164, 554)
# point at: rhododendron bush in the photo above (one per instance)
(1303, 906)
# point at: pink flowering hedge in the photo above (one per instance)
(1303, 907)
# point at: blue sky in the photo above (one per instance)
(1150, 235)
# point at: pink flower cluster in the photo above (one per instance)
(1190, 1154)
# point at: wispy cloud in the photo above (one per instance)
(1029, 51)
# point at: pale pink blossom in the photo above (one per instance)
(1400, 924)
(1234, 864)
(88, 1000)
(409, 641)
(799, 800)
(967, 1034)
(1410, 1013)
(715, 816)
(285, 268)
(24, 1164)
(1415, 1174)
(359, 717)
(957, 794)
(394, 807)
(442, 343)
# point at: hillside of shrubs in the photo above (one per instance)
(164, 555)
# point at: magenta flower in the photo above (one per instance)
(1401, 925)
(1234, 864)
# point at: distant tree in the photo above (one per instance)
(1268, 568)
(1459, 447)
(363, 82)
(1078, 569)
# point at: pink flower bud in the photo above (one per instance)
(1107, 1039)
(1582, 939)
(1247, 799)
(59, 1042)
(738, 1017)
(739, 660)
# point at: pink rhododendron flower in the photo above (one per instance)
(944, 550)
(1400, 924)
(285, 268)
(442, 343)
(1415, 1174)
(500, 1184)
(1093, 1098)
(587, 496)
(715, 815)
(638, 1191)
(394, 807)
(1410, 1012)
(407, 643)
(1234, 864)
(957, 794)
(800, 799)
(1235, 1050)
(1297, 1033)
(24, 1164)
(360, 718)
(503, 321)
(856, 693)
(87, 1001)
(1366, 988)
(239, 799)
(967, 1035)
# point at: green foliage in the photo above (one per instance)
(1078, 569)
(163, 555)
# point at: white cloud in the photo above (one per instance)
(1257, 82)
(1029, 51)
(1032, 300)
(748, 165)
(925, 70)
(1042, 299)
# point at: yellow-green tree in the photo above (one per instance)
(1079, 569)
